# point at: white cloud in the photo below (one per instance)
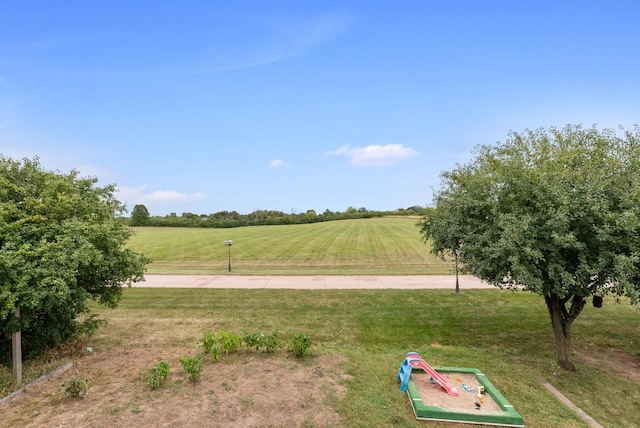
(173, 196)
(278, 163)
(137, 196)
(341, 151)
(298, 38)
(375, 155)
(279, 42)
(286, 41)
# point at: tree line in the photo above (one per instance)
(140, 216)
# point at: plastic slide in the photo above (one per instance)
(415, 360)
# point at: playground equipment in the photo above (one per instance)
(450, 410)
(415, 360)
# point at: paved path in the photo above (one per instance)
(317, 282)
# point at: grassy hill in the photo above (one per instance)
(380, 246)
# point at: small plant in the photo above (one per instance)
(157, 376)
(215, 352)
(253, 340)
(247, 403)
(211, 345)
(209, 339)
(271, 342)
(230, 341)
(300, 344)
(76, 386)
(192, 365)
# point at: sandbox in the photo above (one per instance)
(462, 402)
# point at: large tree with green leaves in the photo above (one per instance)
(62, 243)
(555, 212)
(139, 216)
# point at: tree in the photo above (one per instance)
(553, 212)
(62, 243)
(310, 216)
(139, 216)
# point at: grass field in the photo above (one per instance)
(505, 334)
(377, 246)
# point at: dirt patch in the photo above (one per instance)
(240, 390)
(433, 394)
(617, 362)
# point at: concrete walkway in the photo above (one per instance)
(319, 282)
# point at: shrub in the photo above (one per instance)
(192, 365)
(63, 247)
(76, 386)
(253, 340)
(300, 344)
(215, 352)
(230, 341)
(157, 376)
(271, 342)
(209, 339)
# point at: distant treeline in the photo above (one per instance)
(227, 219)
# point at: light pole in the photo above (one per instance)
(457, 284)
(228, 243)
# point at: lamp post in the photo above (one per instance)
(228, 243)
(457, 284)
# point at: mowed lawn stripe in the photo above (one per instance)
(289, 245)
(409, 248)
(378, 246)
(322, 253)
(348, 251)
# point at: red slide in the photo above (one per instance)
(415, 360)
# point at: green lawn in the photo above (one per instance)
(380, 246)
(504, 334)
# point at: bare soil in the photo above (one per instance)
(240, 390)
(614, 361)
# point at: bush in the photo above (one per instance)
(76, 386)
(215, 352)
(59, 232)
(209, 339)
(193, 366)
(253, 340)
(300, 344)
(157, 376)
(271, 342)
(230, 342)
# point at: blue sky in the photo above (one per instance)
(205, 106)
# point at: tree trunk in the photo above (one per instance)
(561, 320)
